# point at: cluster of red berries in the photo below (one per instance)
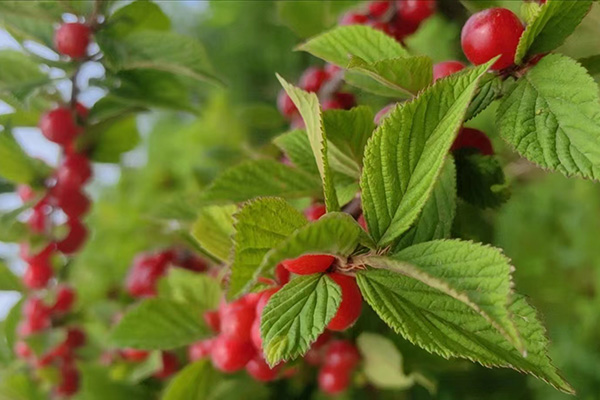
(336, 360)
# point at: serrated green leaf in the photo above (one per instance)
(20, 76)
(481, 180)
(296, 146)
(139, 15)
(405, 75)
(260, 225)
(406, 153)
(159, 324)
(8, 280)
(296, 315)
(490, 87)
(555, 21)
(195, 382)
(310, 110)
(213, 230)
(592, 64)
(256, 178)
(435, 221)
(108, 140)
(349, 130)
(441, 325)
(551, 116)
(16, 165)
(337, 45)
(198, 291)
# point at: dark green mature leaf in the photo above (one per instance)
(556, 20)
(159, 324)
(109, 139)
(27, 20)
(8, 280)
(140, 15)
(406, 153)
(213, 230)
(257, 178)
(195, 382)
(348, 131)
(441, 325)
(552, 117)
(435, 221)
(260, 226)
(489, 90)
(310, 110)
(296, 315)
(195, 290)
(481, 180)
(20, 76)
(16, 165)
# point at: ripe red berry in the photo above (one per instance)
(134, 355)
(346, 100)
(82, 111)
(65, 297)
(144, 274)
(75, 338)
(384, 27)
(350, 307)
(59, 126)
(255, 336)
(237, 319)
(475, 139)
(37, 314)
(265, 295)
(415, 11)
(362, 222)
(72, 39)
(333, 380)
(200, 350)
(26, 193)
(316, 354)
(315, 211)
(191, 262)
(229, 355)
(342, 354)
(170, 364)
(38, 274)
(309, 264)
(72, 201)
(69, 380)
(332, 70)
(22, 350)
(378, 8)
(443, 69)
(492, 32)
(74, 171)
(313, 78)
(282, 275)
(260, 370)
(74, 239)
(38, 220)
(403, 28)
(383, 113)
(212, 319)
(286, 106)
(353, 18)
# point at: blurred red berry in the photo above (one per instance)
(260, 370)
(236, 320)
(313, 78)
(170, 365)
(286, 106)
(474, 139)
(74, 171)
(315, 211)
(134, 355)
(37, 274)
(26, 193)
(59, 126)
(415, 11)
(72, 201)
(378, 8)
(72, 39)
(69, 383)
(350, 307)
(75, 238)
(200, 350)
(333, 380)
(342, 354)
(353, 18)
(309, 264)
(229, 355)
(443, 69)
(65, 297)
(212, 319)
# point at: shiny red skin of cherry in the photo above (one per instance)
(213, 320)
(313, 78)
(72, 39)
(264, 298)
(170, 365)
(350, 307)
(237, 319)
(362, 222)
(69, 383)
(65, 298)
(75, 238)
(346, 100)
(383, 113)
(402, 28)
(353, 18)
(315, 211)
(38, 221)
(144, 274)
(200, 350)
(134, 355)
(475, 139)
(38, 274)
(228, 355)
(26, 193)
(72, 201)
(74, 171)
(59, 126)
(260, 370)
(342, 354)
(37, 314)
(492, 32)
(333, 380)
(415, 11)
(255, 336)
(75, 338)
(316, 354)
(282, 275)
(286, 106)
(378, 8)
(443, 69)
(309, 264)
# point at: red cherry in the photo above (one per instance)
(144, 274)
(37, 314)
(402, 28)
(313, 78)
(378, 8)
(492, 32)
(38, 274)
(316, 354)
(212, 319)
(332, 70)
(282, 275)
(475, 139)
(350, 307)
(170, 365)
(192, 263)
(252, 299)
(74, 171)
(315, 211)
(200, 350)
(26, 193)
(69, 383)
(75, 338)
(72, 201)
(22, 350)
(443, 69)
(353, 18)
(43, 256)
(415, 11)
(255, 336)
(82, 111)
(383, 113)
(265, 296)
(333, 380)
(286, 106)
(72, 39)
(260, 370)
(38, 221)
(309, 264)
(346, 100)
(65, 297)
(342, 354)
(229, 355)
(59, 126)
(134, 355)
(74, 239)
(237, 319)
(362, 222)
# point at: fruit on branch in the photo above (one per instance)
(75, 238)
(74, 171)
(200, 350)
(72, 201)
(333, 380)
(260, 370)
(69, 380)
(445, 68)
(353, 18)
(286, 106)
(37, 274)
(378, 8)
(415, 11)
(212, 319)
(75, 338)
(489, 33)
(342, 354)
(309, 264)
(350, 306)
(315, 211)
(229, 355)
(313, 78)
(144, 274)
(72, 39)
(474, 139)
(236, 320)
(36, 313)
(316, 354)
(134, 355)
(59, 126)
(65, 298)
(170, 365)
(282, 274)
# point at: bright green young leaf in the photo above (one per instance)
(405, 75)
(555, 21)
(260, 225)
(139, 15)
(296, 315)
(109, 139)
(195, 382)
(296, 146)
(16, 165)
(213, 230)
(442, 325)
(159, 324)
(551, 116)
(198, 291)
(15, 385)
(337, 45)
(20, 76)
(310, 110)
(406, 153)
(257, 178)
(481, 180)
(489, 90)
(349, 130)
(435, 221)
(8, 280)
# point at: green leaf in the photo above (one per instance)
(30, 20)
(555, 21)
(296, 315)
(296, 146)
(137, 372)
(260, 225)
(140, 15)
(213, 230)
(256, 178)
(11, 229)
(309, 18)
(383, 365)
(405, 75)
(552, 117)
(8, 280)
(20, 76)
(435, 221)
(16, 385)
(435, 322)
(10, 323)
(195, 382)
(592, 64)
(159, 324)
(490, 87)
(310, 110)
(96, 384)
(337, 45)
(406, 153)
(108, 140)
(16, 165)
(195, 290)
(480, 179)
